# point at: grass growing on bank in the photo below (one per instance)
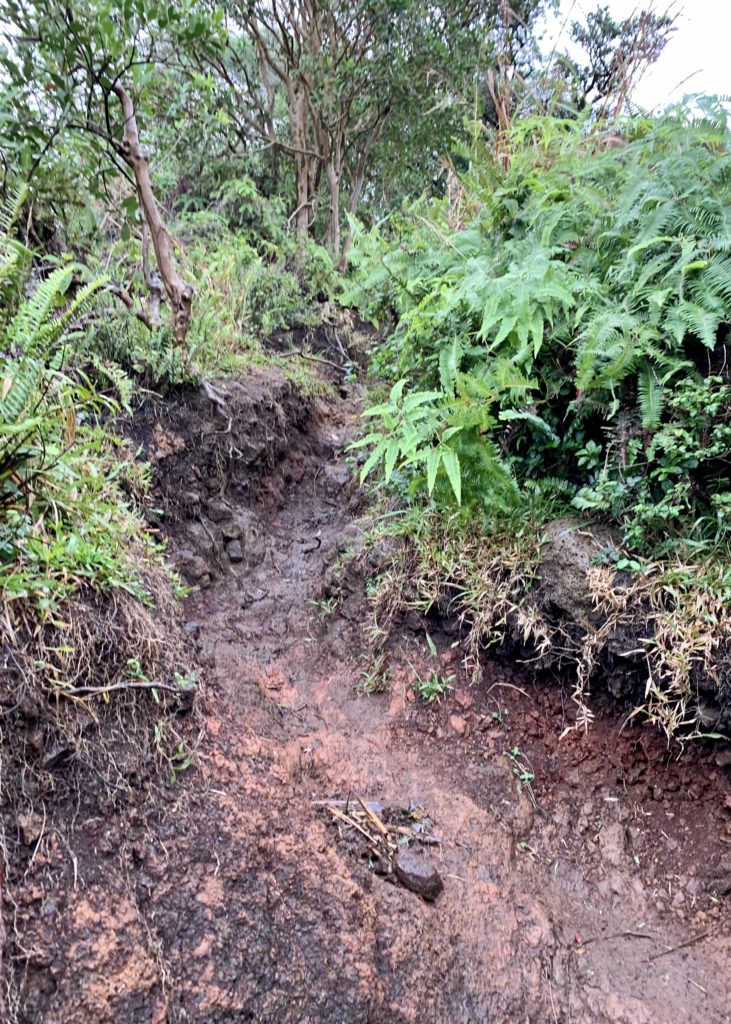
(254, 292)
(673, 617)
(71, 528)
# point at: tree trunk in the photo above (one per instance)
(179, 294)
(298, 121)
(333, 231)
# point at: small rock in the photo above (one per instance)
(199, 539)
(192, 628)
(464, 699)
(416, 872)
(193, 567)
(55, 753)
(336, 476)
(31, 828)
(234, 551)
(723, 758)
(232, 530)
(190, 498)
(678, 899)
(722, 877)
(218, 510)
(459, 724)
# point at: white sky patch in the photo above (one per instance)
(696, 60)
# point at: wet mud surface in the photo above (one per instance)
(586, 879)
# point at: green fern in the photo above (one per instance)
(651, 397)
(35, 334)
(592, 288)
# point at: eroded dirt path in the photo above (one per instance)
(547, 913)
(594, 893)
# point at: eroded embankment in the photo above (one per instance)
(586, 880)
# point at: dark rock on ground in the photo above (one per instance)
(416, 872)
(194, 568)
(234, 551)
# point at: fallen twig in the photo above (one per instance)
(353, 824)
(375, 819)
(90, 691)
(682, 945)
(612, 935)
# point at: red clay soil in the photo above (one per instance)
(585, 880)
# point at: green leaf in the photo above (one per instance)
(433, 458)
(419, 398)
(372, 459)
(392, 454)
(450, 461)
(449, 359)
(529, 417)
(397, 391)
(651, 397)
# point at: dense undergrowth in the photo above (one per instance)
(559, 314)
(251, 283)
(560, 348)
(81, 575)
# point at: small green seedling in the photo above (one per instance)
(433, 687)
(376, 678)
(522, 770)
(326, 606)
(180, 761)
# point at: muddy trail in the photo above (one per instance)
(585, 880)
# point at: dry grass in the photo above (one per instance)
(94, 692)
(677, 616)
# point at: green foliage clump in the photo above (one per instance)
(65, 522)
(251, 283)
(563, 331)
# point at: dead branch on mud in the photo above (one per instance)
(682, 945)
(152, 684)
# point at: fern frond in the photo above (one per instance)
(10, 209)
(651, 397)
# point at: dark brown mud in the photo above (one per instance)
(585, 880)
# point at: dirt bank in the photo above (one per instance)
(584, 881)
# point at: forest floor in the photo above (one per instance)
(584, 880)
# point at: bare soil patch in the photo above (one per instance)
(585, 880)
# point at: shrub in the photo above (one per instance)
(569, 339)
(67, 525)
